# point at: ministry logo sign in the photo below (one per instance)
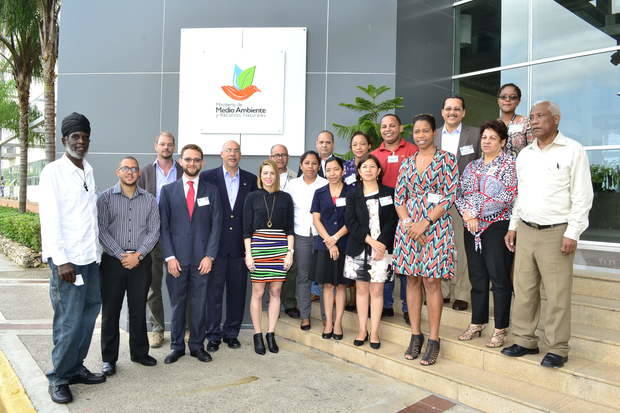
(242, 81)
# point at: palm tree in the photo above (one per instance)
(19, 41)
(48, 34)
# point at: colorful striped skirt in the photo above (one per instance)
(269, 247)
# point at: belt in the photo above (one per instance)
(536, 226)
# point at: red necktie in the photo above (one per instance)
(189, 199)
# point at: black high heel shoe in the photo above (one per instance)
(327, 336)
(359, 343)
(271, 342)
(375, 346)
(259, 344)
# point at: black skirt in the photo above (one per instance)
(328, 271)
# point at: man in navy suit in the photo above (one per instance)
(229, 270)
(191, 222)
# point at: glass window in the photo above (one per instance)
(605, 214)
(562, 27)
(480, 94)
(490, 33)
(586, 89)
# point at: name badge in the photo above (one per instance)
(393, 159)
(203, 201)
(516, 128)
(349, 180)
(492, 170)
(386, 200)
(340, 202)
(434, 198)
(467, 150)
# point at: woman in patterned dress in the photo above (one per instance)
(371, 219)
(487, 191)
(268, 238)
(519, 131)
(360, 146)
(424, 248)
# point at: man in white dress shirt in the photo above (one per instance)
(549, 215)
(69, 238)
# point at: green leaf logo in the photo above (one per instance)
(246, 78)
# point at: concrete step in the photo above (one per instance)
(596, 284)
(473, 386)
(591, 380)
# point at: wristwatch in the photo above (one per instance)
(140, 257)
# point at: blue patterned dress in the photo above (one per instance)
(437, 258)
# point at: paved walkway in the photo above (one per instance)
(297, 379)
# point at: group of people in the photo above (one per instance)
(442, 214)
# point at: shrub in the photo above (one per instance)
(22, 228)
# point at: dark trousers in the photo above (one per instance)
(115, 282)
(154, 298)
(189, 286)
(229, 272)
(493, 265)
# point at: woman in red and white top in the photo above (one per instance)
(488, 188)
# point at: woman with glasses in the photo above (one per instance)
(519, 132)
(360, 146)
(268, 238)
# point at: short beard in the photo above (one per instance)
(187, 173)
(74, 154)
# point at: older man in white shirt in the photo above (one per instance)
(69, 237)
(550, 214)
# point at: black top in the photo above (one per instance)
(255, 212)
(357, 218)
(332, 214)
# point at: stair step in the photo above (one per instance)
(592, 380)
(596, 284)
(475, 387)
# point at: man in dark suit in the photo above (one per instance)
(162, 171)
(229, 269)
(191, 222)
(464, 142)
(325, 149)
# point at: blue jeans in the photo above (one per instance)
(75, 311)
(388, 293)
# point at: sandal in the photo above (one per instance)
(471, 331)
(498, 338)
(431, 353)
(415, 346)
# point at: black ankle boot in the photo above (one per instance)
(259, 344)
(271, 342)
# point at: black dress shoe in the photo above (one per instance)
(292, 312)
(109, 369)
(337, 336)
(306, 327)
(358, 343)
(459, 305)
(376, 346)
(387, 312)
(271, 342)
(174, 356)
(60, 394)
(553, 360)
(213, 346)
(327, 336)
(201, 355)
(517, 351)
(406, 317)
(86, 377)
(145, 360)
(232, 342)
(259, 344)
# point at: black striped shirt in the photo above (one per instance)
(127, 224)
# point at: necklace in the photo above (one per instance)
(84, 180)
(269, 213)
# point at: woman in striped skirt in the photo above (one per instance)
(268, 236)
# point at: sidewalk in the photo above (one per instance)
(297, 379)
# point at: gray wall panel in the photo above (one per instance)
(362, 36)
(110, 36)
(243, 13)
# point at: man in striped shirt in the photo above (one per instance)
(129, 229)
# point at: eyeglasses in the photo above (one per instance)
(508, 97)
(132, 169)
(231, 150)
(194, 160)
(279, 155)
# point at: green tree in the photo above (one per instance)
(9, 112)
(371, 112)
(19, 40)
(48, 35)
